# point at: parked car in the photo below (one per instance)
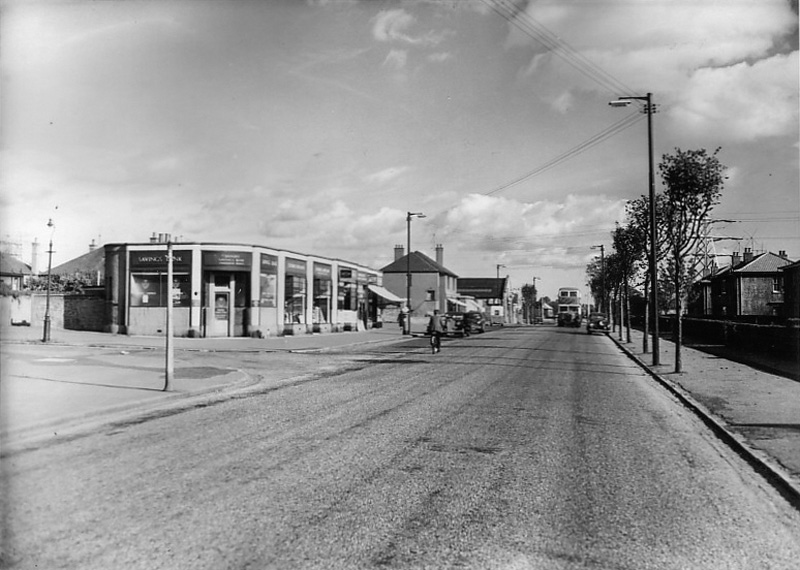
(597, 322)
(464, 324)
(475, 321)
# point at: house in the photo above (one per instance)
(89, 267)
(751, 286)
(14, 274)
(791, 291)
(492, 293)
(432, 285)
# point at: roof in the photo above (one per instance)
(416, 262)
(481, 287)
(766, 262)
(10, 265)
(87, 264)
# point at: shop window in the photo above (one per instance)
(348, 296)
(295, 299)
(150, 290)
(322, 300)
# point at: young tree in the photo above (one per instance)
(693, 182)
(630, 249)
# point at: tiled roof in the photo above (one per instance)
(416, 262)
(481, 287)
(766, 262)
(87, 264)
(10, 265)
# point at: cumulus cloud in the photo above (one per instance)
(716, 68)
(742, 101)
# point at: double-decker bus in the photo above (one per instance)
(569, 307)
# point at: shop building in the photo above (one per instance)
(235, 290)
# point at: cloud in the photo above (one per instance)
(393, 25)
(396, 59)
(743, 101)
(440, 57)
(716, 68)
(385, 175)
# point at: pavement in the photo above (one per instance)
(83, 379)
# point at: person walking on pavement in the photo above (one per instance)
(436, 329)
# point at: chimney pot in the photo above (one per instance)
(440, 254)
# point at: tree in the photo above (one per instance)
(630, 248)
(693, 182)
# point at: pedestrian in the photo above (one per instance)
(436, 329)
(403, 320)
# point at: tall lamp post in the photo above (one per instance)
(649, 110)
(407, 320)
(602, 249)
(535, 294)
(499, 265)
(46, 332)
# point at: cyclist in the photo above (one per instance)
(436, 329)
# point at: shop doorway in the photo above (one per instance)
(225, 303)
(219, 304)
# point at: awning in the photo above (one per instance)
(473, 306)
(457, 302)
(385, 293)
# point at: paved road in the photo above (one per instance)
(519, 448)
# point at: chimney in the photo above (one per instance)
(735, 259)
(92, 246)
(440, 254)
(35, 257)
(782, 253)
(154, 238)
(748, 254)
(399, 251)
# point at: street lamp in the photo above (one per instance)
(407, 320)
(46, 332)
(649, 110)
(499, 265)
(602, 249)
(535, 294)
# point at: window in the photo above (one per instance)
(150, 290)
(430, 295)
(776, 285)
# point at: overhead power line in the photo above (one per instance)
(519, 18)
(618, 127)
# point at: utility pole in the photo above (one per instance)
(170, 362)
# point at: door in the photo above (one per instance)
(219, 310)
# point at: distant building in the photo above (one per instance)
(791, 291)
(493, 293)
(750, 286)
(14, 274)
(432, 286)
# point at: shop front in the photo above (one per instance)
(295, 301)
(226, 293)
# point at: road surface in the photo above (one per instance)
(518, 448)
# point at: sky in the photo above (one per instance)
(316, 126)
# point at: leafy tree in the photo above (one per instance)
(693, 182)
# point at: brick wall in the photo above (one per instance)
(84, 313)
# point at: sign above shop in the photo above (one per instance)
(227, 260)
(150, 261)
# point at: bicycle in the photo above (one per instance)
(436, 343)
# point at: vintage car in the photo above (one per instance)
(464, 324)
(597, 322)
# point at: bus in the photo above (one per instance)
(569, 307)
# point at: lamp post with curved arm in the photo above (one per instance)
(46, 332)
(649, 109)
